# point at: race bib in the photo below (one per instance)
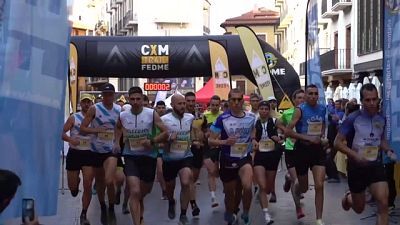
(135, 143)
(267, 145)
(314, 128)
(239, 149)
(106, 136)
(84, 142)
(370, 152)
(179, 147)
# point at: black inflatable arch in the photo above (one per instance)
(170, 57)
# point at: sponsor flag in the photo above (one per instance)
(34, 42)
(313, 73)
(220, 69)
(73, 76)
(391, 74)
(256, 59)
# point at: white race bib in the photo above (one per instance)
(314, 128)
(370, 152)
(135, 143)
(84, 143)
(267, 145)
(179, 147)
(239, 150)
(107, 136)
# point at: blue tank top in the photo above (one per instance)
(312, 119)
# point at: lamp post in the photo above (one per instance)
(306, 45)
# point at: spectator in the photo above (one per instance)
(9, 183)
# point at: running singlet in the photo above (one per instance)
(311, 120)
(180, 148)
(210, 117)
(104, 118)
(137, 128)
(84, 141)
(286, 118)
(363, 134)
(240, 127)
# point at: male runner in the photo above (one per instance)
(234, 132)
(290, 178)
(100, 121)
(254, 102)
(309, 120)
(136, 125)
(211, 154)
(364, 132)
(177, 157)
(197, 149)
(79, 156)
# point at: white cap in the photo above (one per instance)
(271, 98)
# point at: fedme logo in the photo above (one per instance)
(155, 57)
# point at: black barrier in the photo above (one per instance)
(170, 57)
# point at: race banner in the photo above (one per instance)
(34, 42)
(73, 76)
(220, 69)
(391, 74)
(255, 57)
(313, 73)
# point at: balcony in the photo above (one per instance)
(113, 4)
(326, 12)
(286, 15)
(278, 3)
(119, 1)
(338, 5)
(206, 30)
(101, 26)
(130, 20)
(334, 63)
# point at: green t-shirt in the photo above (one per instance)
(287, 116)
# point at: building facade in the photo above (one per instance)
(158, 18)
(263, 22)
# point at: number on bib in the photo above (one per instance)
(179, 147)
(106, 136)
(370, 152)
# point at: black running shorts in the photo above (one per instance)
(307, 156)
(229, 170)
(76, 159)
(359, 178)
(142, 167)
(172, 168)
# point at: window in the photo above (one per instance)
(262, 37)
(370, 27)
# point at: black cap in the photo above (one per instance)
(107, 88)
(263, 103)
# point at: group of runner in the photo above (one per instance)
(242, 148)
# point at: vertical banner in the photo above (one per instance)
(33, 72)
(313, 73)
(220, 69)
(391, 74)
(257, 61)
(73, 76)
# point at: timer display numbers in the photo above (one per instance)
(157, 87)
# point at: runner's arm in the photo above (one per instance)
(340, 144)
(118, 132)
(87, 120)
(289, 132)
(163, 135)
(67, 127)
